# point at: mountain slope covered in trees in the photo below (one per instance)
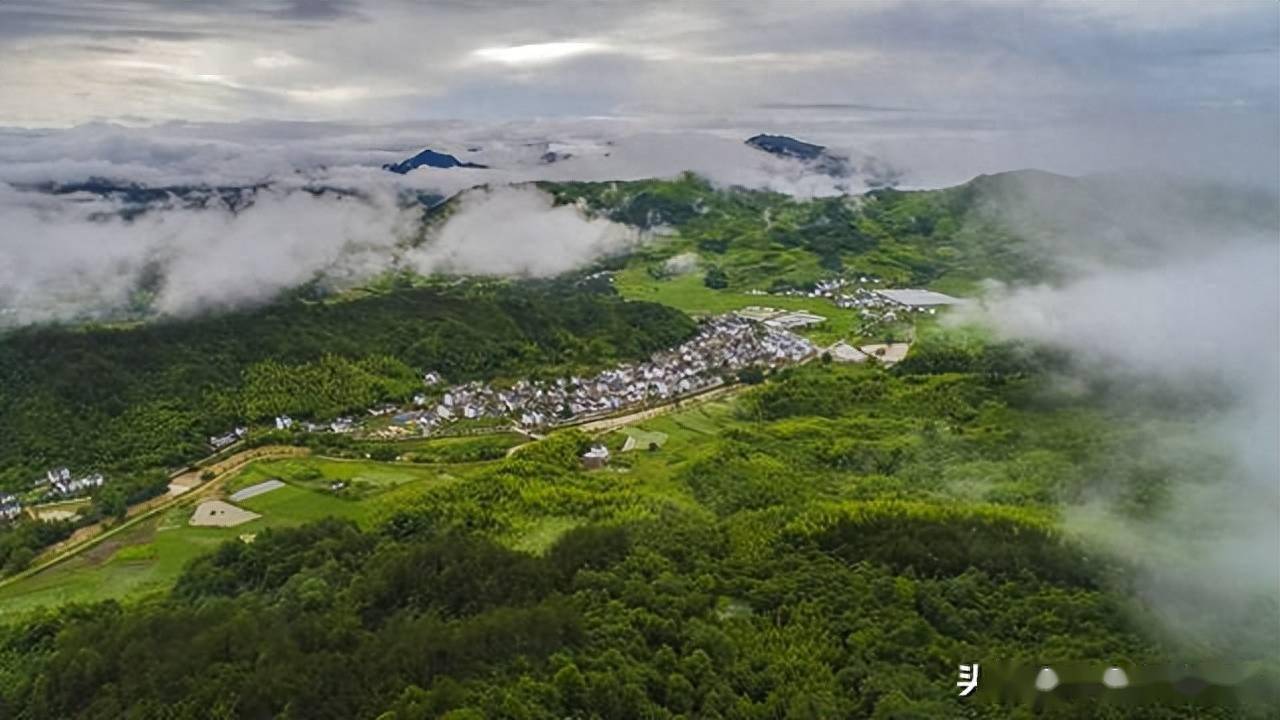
(133, 398)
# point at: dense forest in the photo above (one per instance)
(127, 399)
(833, 550)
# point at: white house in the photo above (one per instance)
(217, 442)
(284, 422)
(596, 457)
(10, 507)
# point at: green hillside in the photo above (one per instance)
(825, 545)
(124, 400)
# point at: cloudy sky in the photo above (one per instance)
(68, 61)
(1077, 85)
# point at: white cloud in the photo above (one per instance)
(537, 53)
(64, 258)
(1207, 561)
(515, 231)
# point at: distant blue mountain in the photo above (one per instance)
(430, 158)
(874, 172)
(786, 146)
(136, 199)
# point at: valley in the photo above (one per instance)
(631, 489)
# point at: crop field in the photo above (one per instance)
(149, 557)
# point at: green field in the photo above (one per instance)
(688, 293)
(363, 478)
(645, 438)
(149, 557)
(459, 449)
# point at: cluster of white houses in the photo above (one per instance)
(60, 483)
(875, 305)
(723, 345)
(57, 484)
(10, 508)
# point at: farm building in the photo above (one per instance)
(796, 319)
(595, 458)
(918, 299)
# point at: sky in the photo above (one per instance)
(1072, 86)
(294, 94)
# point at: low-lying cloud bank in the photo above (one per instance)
(80, 255)
(341, 154)
(67, 258)
(75, 258)
(1210, 559)
(516, 231)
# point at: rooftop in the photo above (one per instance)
(919, 298)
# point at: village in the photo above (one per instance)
(876, 306)
(722, 347)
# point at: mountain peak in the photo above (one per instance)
(430, 158)
(786, 146)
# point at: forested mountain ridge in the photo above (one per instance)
(128, 399)
(1021, 227)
